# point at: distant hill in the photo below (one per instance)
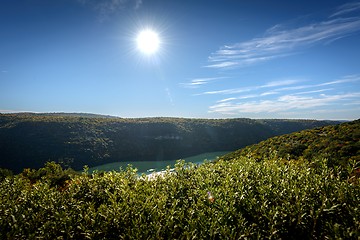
(339, 144)
(28, 140)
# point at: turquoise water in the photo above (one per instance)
(155, 166)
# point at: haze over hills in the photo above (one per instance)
(28, 140)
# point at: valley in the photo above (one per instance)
(29, 140)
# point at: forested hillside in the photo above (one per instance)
(29, 140)
(339, 144)
(256, 193)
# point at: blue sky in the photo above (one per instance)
(217, 59)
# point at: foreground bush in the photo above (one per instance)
(224, 200)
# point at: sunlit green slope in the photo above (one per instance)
(339, 144)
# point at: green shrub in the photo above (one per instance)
(4, 173)
(52, 172)
(249, 199)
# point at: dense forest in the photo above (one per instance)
(28, 140)
(271, 190)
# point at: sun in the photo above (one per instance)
(148, 41)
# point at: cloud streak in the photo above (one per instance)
(346, 8)
(197, 82)
(282, 84)
(280, 42)
(248, 89)
(281, 104)
(255, 102)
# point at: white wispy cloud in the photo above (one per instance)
(269, 93)
(352, 103)
(332, 111)
(289, 87)
(281, 104)
(195, 83)
(226, 91)
(248, 89)
(238, 98)
(279, 83)
(226, 100)
(346, 8)
(293, 99)
(280, 42)
(314, 91)
(345, 79)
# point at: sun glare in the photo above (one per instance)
(148, 41)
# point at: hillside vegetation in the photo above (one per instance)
(74, 140)
(259, 196)
(339, 144)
